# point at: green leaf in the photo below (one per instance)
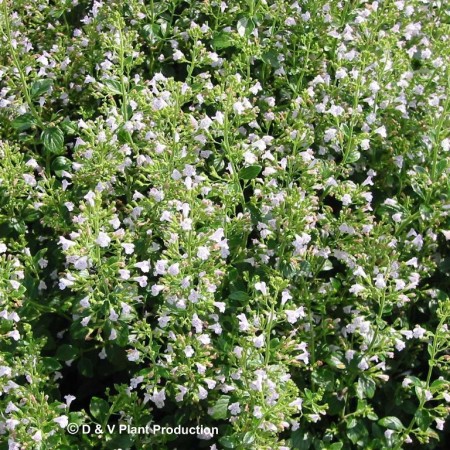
(99, 409)
(250, 172)
(353, 156)
(423, 419)
(327, 265)
(239, 295)
(69, 127)
(113, 86)
(51, 364)
(391, 422)
(152, 33)
(227, 442)
(245, 27)
(60, 164)
(222, 40)
(365, 387)
(66, 352)
(248, 438)
(357, 432)
(23, 122)
(335, 362)
(220, 409)
(336, 446)
(40, 87)
(301, 440)
(53, 140)
(271, 58)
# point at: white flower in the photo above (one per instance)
(5, 371)
(133, 355)
(365, 144)
(439, 424)
(81, 263)
(297, 404)
(141, 280)
(178, 55)
(399, 345)
(257, 412)
(37, 437)
(66, 243)
(218, 235)
(445, 144)
(258, 341)
(103, 239)
(363, 364)
(381, 131)
(234, 408)
(203, 253)
(300, 244)
(294, 315)
(380, 283)
(62, 421)
(129, 248)
(238, 108)
(174, 269)
(124, 274)
(157, 398)
(419, 332)
(262, 287)
(69, 399)
(243, 322)
(143, 265)
(15, 284)
(14, 335)
(388, 433)
(188, 351)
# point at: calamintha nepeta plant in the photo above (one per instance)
(227, 214)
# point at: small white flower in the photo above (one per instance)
(258, 341)
(294, 315)
(124, 274)
(157, 398)
(234, 408)
(178, 55)
(174, 269)
(262, 287)
(346, 199)
(129, 248)
(103, 240)
(238, 108)
(440, 424)
(203, 253)
(69, 399)
(14, 335)
(445, 144)
(37, 437)
(381, 131)
(143, 265)
(62, 421)
(356, 289)
(15, 284)
(133, 355)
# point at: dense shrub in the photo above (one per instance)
(224, 214)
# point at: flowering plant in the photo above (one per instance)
(227, 216)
